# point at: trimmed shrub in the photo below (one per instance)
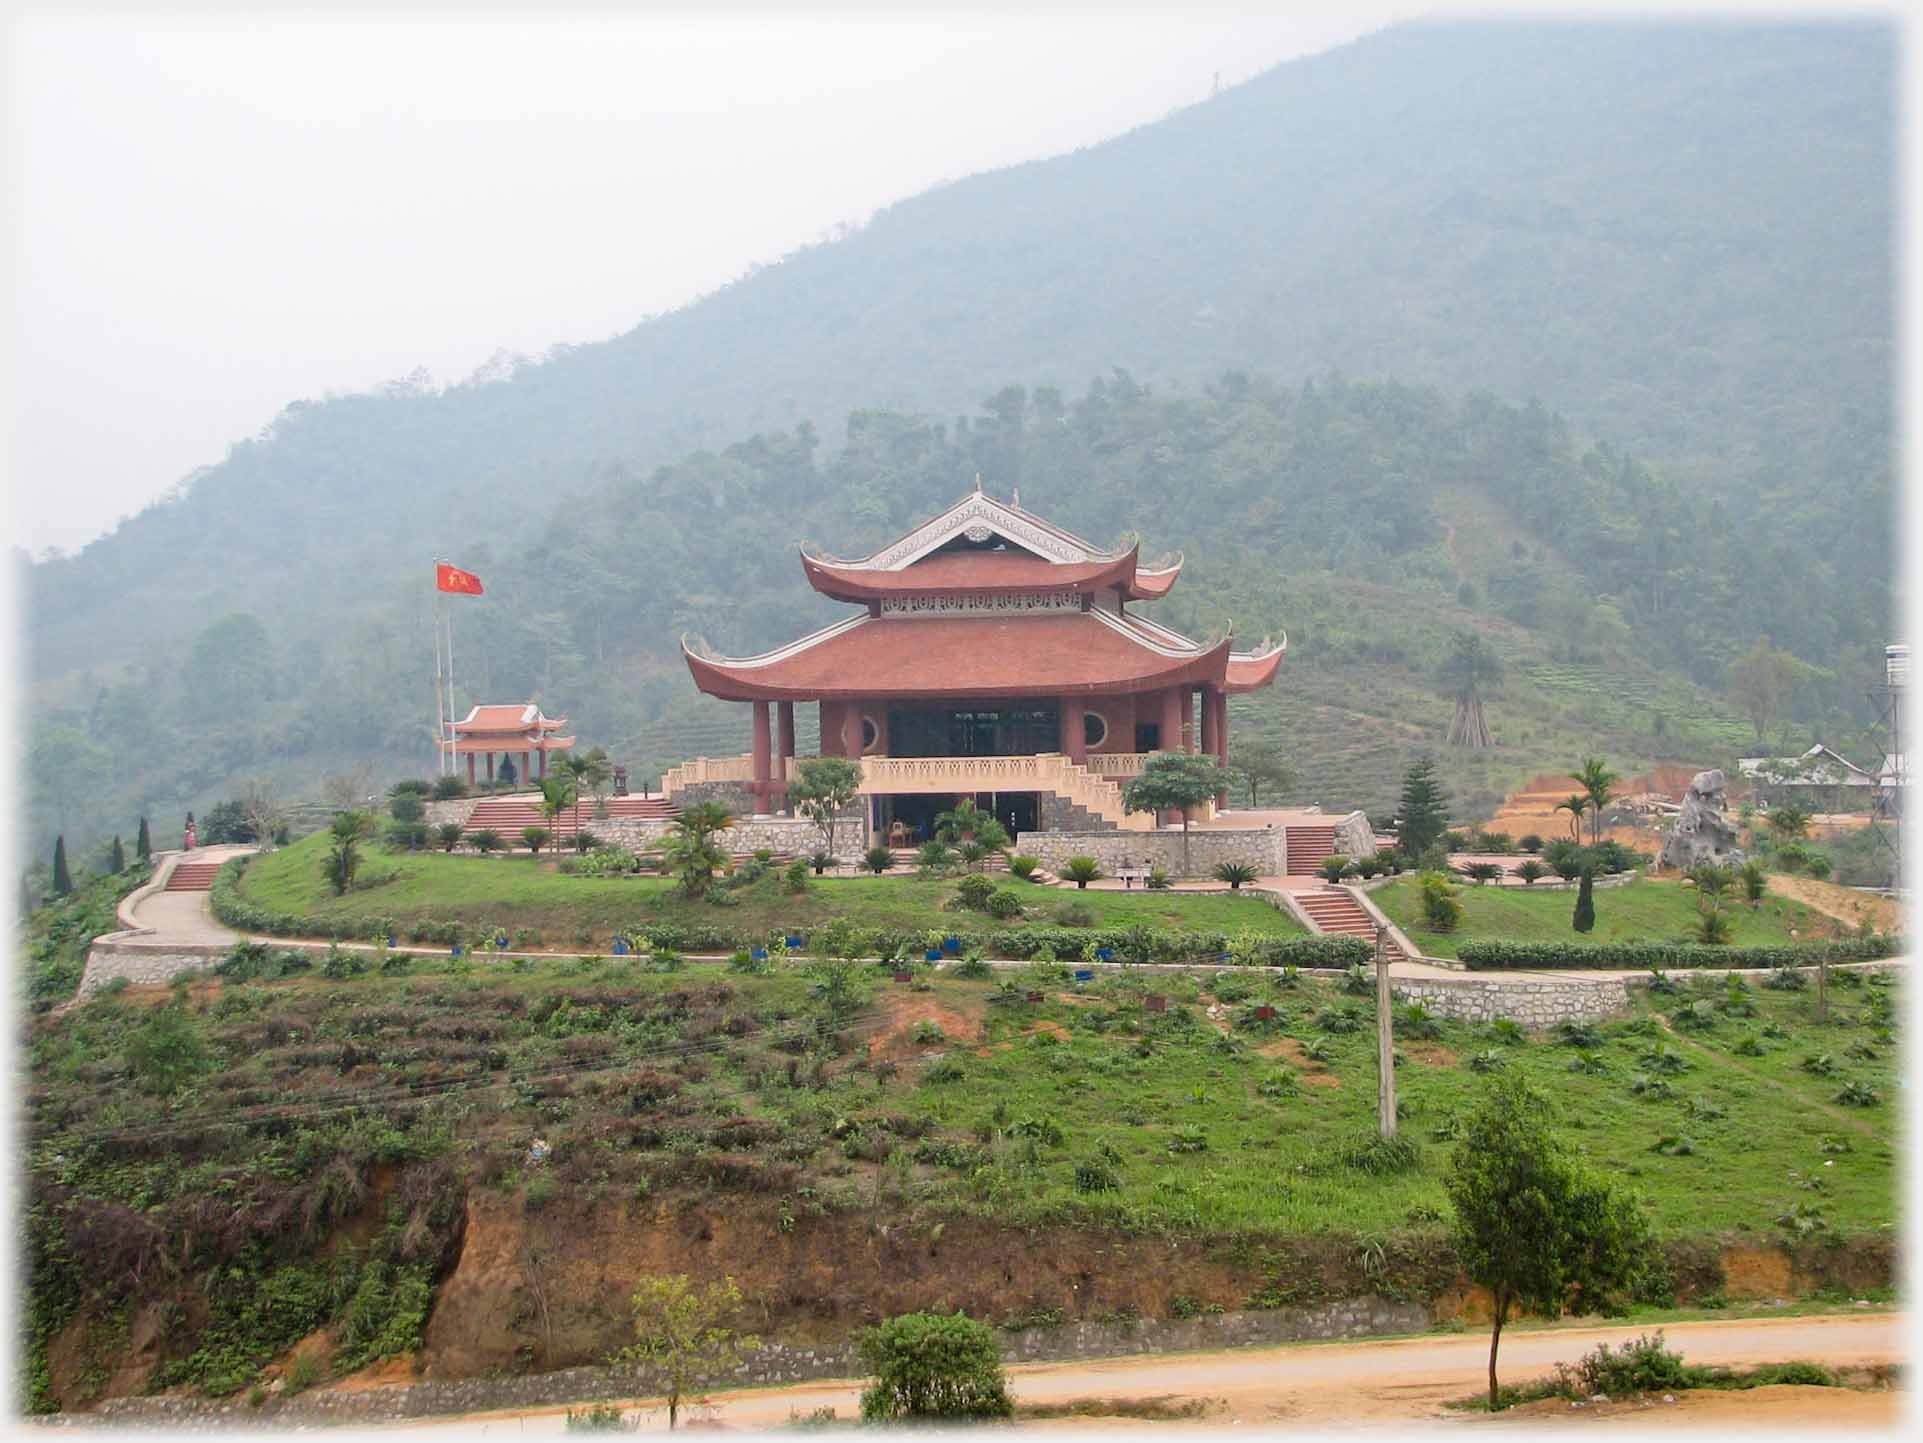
(931, 1365)
(1494, 955)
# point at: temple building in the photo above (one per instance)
(994, 656)
(517, 729)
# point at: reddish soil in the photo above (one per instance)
(1313, 1074)
(896, 1039)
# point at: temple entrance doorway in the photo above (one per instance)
(908, 820)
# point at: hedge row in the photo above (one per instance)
(1131, 944)
(1641, 956)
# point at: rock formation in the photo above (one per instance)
(1704, 834)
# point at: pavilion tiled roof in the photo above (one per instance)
(1010, 656)
(512, 718)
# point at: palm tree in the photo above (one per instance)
(1597, 781)
(558, 793)
(579, 770)
(1575, 806)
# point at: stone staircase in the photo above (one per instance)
(192, 877)
(1333, 910)
(509, 815)
(1307, 847)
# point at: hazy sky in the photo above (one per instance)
(214, 216)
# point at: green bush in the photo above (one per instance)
(1005, 902)
(1235, 874)
(1496, 955)
(931, 1365)
(1023, 866)
(1642, 1365)
(973, 891)
(878, 859)
(1082, 870)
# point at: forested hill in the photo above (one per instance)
(1678, 238)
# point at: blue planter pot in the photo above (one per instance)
(951, 944)
(392, 941)
(1083, 974)
(620, 947)
(795, 944)
(455, 950)
(1104, 954)
(932, 955)
(760, 954)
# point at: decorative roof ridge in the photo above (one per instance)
(701, 651)
(1163, 565)
(1262, 652)
(1160, 639)
(1045, 538)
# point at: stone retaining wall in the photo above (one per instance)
(1261, 849)
(1538, 1001)
(143, 965)
(779, 1363)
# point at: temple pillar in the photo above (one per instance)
(1074, 729)
(763, 767)
(543, 752)
(834, 718)
(784, 749)
(527, 768)
(1219, 701)
(1171, 738)
(490, 769)
(1208, 721)
(470, 769)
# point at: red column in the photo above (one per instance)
(763, 771)
(784, 749)
(831, 722)
(490, 767)
(470, 769)
(527, 769)
(1221, 704)
(1171, 720)
(1208, 721)
(1074, 729)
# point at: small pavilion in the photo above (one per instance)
(505, 730)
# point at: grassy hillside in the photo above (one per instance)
(382, 1110)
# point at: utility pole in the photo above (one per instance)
(1385, 1047)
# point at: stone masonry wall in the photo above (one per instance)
(1261, 849)
(143, 966)
(1536, 1002)
(779, 1363)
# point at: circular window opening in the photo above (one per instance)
(869, 734)
(1094, 728)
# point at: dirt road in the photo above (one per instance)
(1391, 1383)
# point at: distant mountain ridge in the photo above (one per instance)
(1677, 236)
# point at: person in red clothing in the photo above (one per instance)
(190, 832)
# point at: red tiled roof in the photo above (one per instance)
(516, 717)
(1013, 656)
(987, 571)
(975, 571)
(1252, 672)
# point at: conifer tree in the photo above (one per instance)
(1586, 901)
(144, 843)
(1423, 814)
(62, 881)
(119, 856)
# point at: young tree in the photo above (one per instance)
(536, 837)
(933, 1365)
(825, 787)
(1169, 780)
(1789, 820)
(691, 849)
(62, 879)
(558, 793)
(1585, 918)
(1470, 666)
(1598, 784)
(1423, 814)
(685, 1334)
(144, 843)
(343, 858)
(1260, 763)
(262, 809)
(118, 861)
(576, 767)
(1764, 682)
(1534, 1224)
(1577, 805)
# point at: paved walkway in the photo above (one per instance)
(184, 916)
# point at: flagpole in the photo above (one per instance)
(450, 686)
(440, 695)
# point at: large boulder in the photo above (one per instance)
(1703, 834)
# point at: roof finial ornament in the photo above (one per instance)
(1015, 498)
(978, 483)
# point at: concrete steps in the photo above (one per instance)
(1334, 911)
(1307, 846)
(511, 814)
(192, 877)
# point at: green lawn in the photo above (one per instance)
(1641, 911)
(523, 892)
